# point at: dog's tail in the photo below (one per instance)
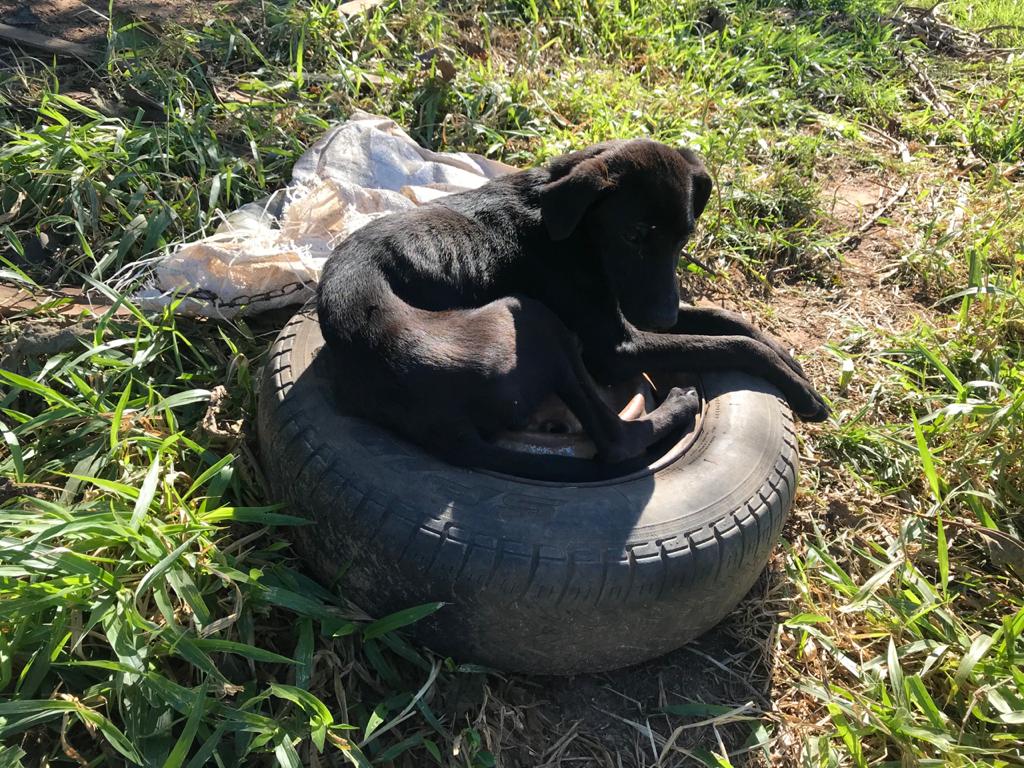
(540, 466)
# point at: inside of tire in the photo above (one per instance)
(553, 430)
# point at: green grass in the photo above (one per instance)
(150, 608)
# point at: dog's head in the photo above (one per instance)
(636, 204)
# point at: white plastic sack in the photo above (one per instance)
(269, 254)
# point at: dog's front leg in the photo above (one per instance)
(666, 352)
(712, 321)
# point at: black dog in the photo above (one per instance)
(453, 321)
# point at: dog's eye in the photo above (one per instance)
(636, 235)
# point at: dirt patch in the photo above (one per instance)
(806, 316)
(849, 201)
(86, 21)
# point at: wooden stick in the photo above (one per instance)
(53, 45)
(852, 239)
(67, 302)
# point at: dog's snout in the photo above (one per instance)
(663, 318)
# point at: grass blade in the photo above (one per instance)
(399, 619)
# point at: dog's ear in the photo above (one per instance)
(700, 180)
(564, 201)
(701, 192)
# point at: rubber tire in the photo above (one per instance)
(540, 578)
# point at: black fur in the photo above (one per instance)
(455, 320)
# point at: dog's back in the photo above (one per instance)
(416, 310)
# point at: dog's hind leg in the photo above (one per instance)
(547, 358)
(473, 451)
(617, 439)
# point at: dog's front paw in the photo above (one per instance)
(792, 362)
(811, 406)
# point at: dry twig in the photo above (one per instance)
(853, 238)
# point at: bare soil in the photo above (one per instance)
(85, 21)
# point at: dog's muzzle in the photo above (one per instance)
(662, 319)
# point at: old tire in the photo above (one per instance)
(536, 577)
